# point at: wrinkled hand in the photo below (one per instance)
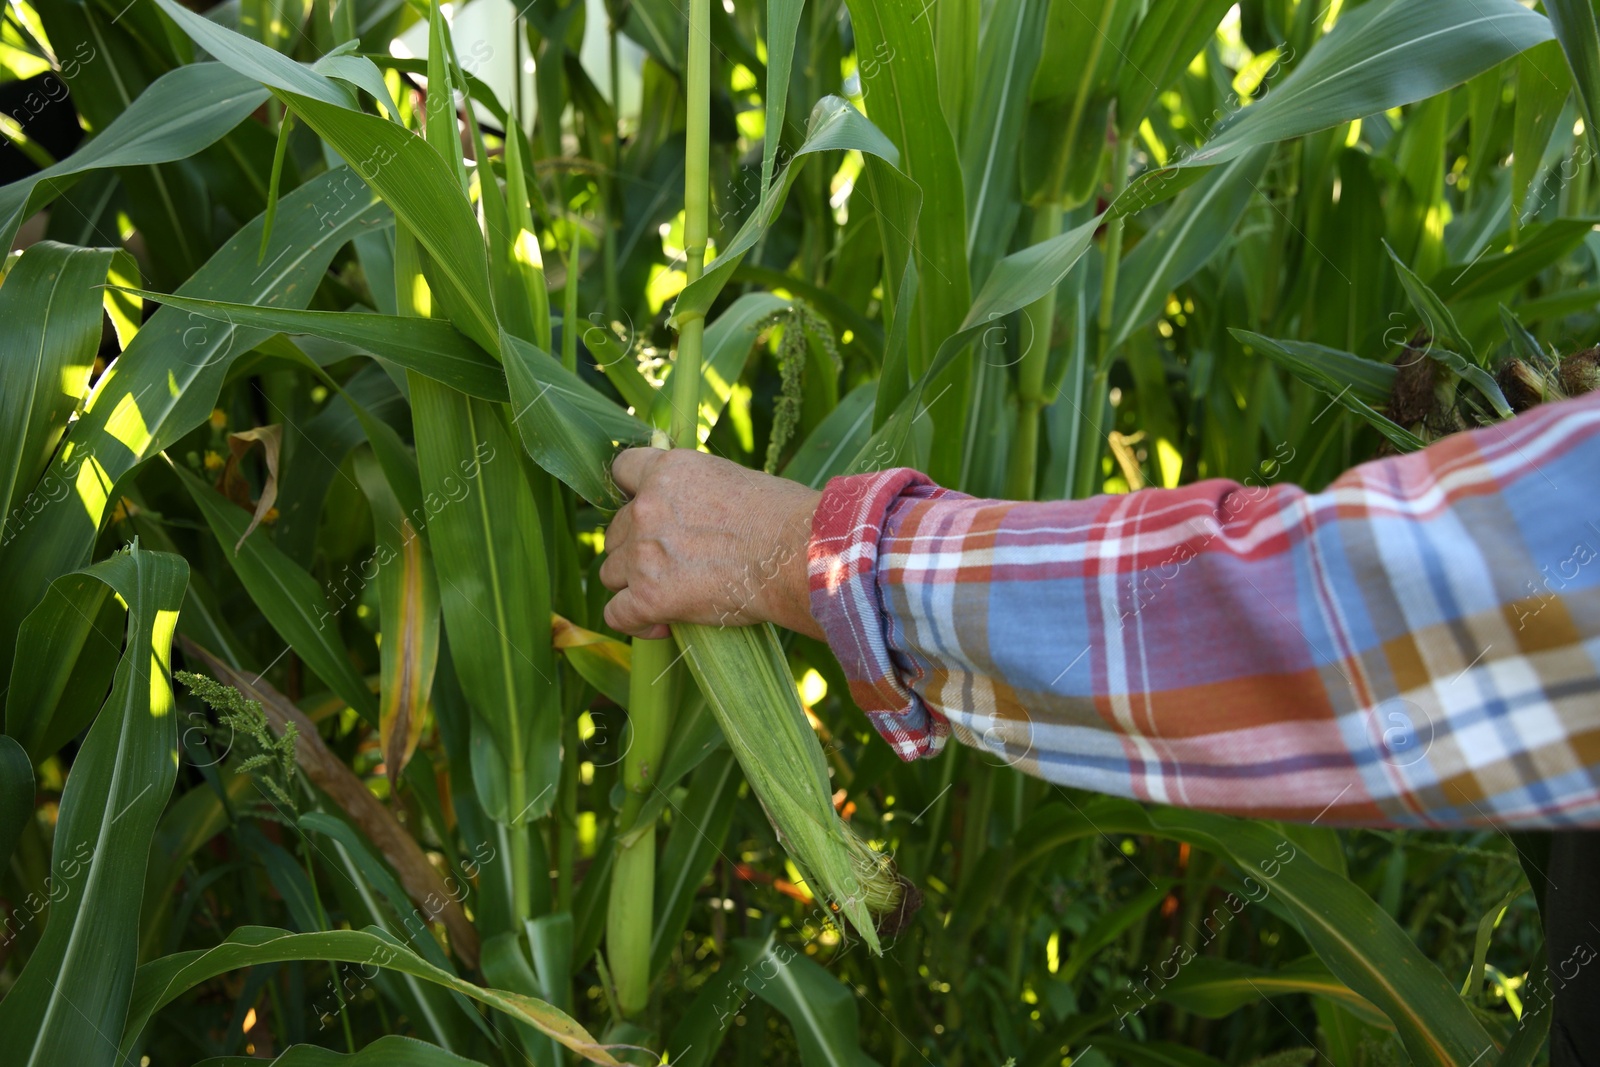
(708, 541)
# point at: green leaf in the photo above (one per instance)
(290, 599)
(52, 313)
(1194, 229)
(1007, 57)
(1164, 43)
(488, 547)
(162, 981)
(1110, 926)
(390, 1050)
(1524, 345)
(820, 1008)
(76, 984)
(1537, 247)
(1381, 55)
(70, 642)
(1016, 281)
(834, 125)
(431, 347)
(1342, 376)
(836, 440)
(567, 427)
(699, 829)
(1215, 988)
(167, 381)
(1575, 27)
(727, 347)
(1360, 944)
(183, 112)
(1436, 318)
(783, 26)
(1473, 375)
(1543, 85)
(899, 75)
(16, 795)
(408, 610)
(505, 964)
(419, 188)
(255, 60)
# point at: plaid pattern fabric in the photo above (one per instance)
(1418, 645)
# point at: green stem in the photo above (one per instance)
(1039, 317)
(566, 844)
(609, 189)
(1093, 430)
(521, 852)
(651, 687)
(322, 921)
(569, 304)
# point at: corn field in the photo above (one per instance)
(323, 319)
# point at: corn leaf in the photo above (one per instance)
(1360, 944)
(53, 316)
(1538, 247)
(162, 981)
(911, 117)
(1016, 281)
(567, 427)
(603, 662)
(255, 60)
(334, 778)
(70, 643)
(1007, 56)
(408, 604)
(506, 966)
(76, 985)
(291, 599)
(699, 828)
(183, 112)
(820, 1008)
(417, 185)
(166, 382)
(1215, 988)
(1575, 27)
(1544, 85)
(1379, 56)
(1193, 230)
(391, 1050)
(1341, 376)
(783, 25)
(431, 347)
(16, 794)
(834, 125)
(728, 342)
(494, 587)
(1164, 42)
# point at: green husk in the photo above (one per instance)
(746, 680)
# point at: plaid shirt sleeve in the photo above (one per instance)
(1418, 645)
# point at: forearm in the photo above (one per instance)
(1367, 655)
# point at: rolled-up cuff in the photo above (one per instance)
(846, 602)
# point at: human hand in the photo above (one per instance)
(707, 541)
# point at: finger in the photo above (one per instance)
(614, 572)
(630, 469)
(625, 615)
(620, 528)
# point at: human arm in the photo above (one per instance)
(1417, 645)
